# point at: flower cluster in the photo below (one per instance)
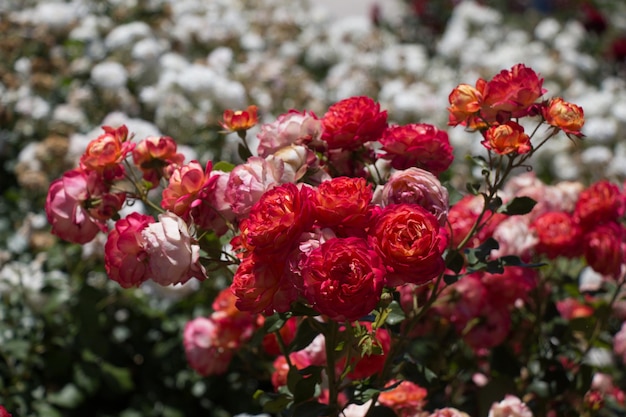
(339, 241)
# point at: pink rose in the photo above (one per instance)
(292, 128)
(619, 343)
(66, 208)
(339, 272)
(203, 354)
(248, 182)
(448, 412)
(125, 256)
(173, 257)
(511, 406)
(214, 212)
(187, 189)
(417, 186)
(417, 145)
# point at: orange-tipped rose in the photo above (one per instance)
(464, 102)
(564, 115)
(507, 138)
(240, 120)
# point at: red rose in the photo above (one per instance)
(559, 235)
(343, 278)
(603, 248)
(125, 256)
(511, 93)
(343, 202)
(410, 243)
(602, 202)
(259, 286)
(417, 145)
(277, 220)
(351, 122)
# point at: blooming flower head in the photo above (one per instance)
(260, 285)
(448, 412)
(154, 155)
(602, 202)
(465, 101)
(240, 120)
(292, 128)
(187, 187)
(507, 138)
(350, 123)
(417, 186)
(511, 93)
(406, 398)
(559, 234)
(339, 272)
(4, 412)
(417, 145)
(511, 406)
(277, 220)
(411, 242)
(214, 212)
(74, 208)
(343, 202)
(125, 256)
(568, 117)
(173, 257)
(105, 153)
(604, 248)
(203, 353)
(247, 182)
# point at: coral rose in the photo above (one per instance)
(559, 234)
(173, 256)
(188, 187)
(350, 123)
(410, 242)
(125, 256)
(240, 120)
(507, 138)
(464, 101)
(343, 278)
(106, 153)
(406, 398)
(417, 186)
(417, 145)
(568, 117)
(154, 155)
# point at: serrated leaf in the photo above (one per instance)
(518, 206)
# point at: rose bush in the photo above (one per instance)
(345, 227)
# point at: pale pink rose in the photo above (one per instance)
(173, 257)
(511, 406)
(218, 214)
(292, 128)
(565, 195)
(315, 352)
(66, 208)
(602, 382)
(417, 186)
(298, 160)
(619, 343)
(514, 237)
(248, 182)
(203, 354)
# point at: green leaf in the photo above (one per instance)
(518, 206)
(117, 378)
(455, 261)
(223, 166)
(272, 402)
(274, 323)
(69, 397)
(304, 335)
(473, 188)
(44, 409)
(311, 409)
(396, 314)
(87, 377)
